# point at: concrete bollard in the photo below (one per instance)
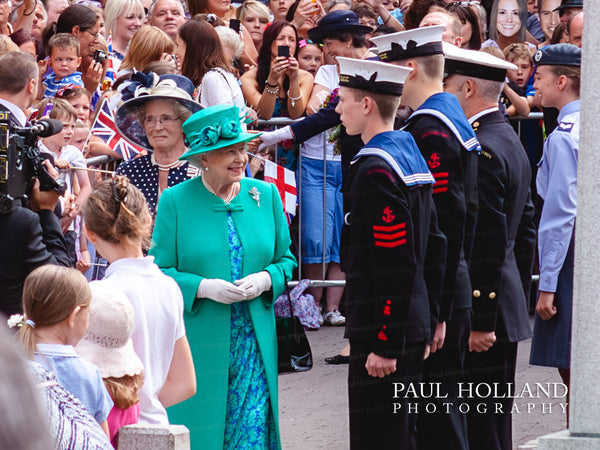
(154, 437)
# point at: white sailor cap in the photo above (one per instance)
(472, 63)
(372, 76)
(423, 41)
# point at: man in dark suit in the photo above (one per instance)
(28, 238)
(503, 247)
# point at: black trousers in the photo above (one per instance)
(377, 419)
(489, 418)
(445, 369)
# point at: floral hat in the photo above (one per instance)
(146, 87)
(213, 128)
(107, 342)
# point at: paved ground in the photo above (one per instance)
(313, 405)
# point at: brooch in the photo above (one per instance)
(255, 195)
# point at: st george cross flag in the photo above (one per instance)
(104, 127)
(285, 180)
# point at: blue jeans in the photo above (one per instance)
(311, 211)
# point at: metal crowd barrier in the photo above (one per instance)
(109, 163)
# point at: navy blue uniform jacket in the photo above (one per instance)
(504, 245)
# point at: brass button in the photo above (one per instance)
(476, 293)
(492, 295)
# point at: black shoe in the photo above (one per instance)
(337, 359)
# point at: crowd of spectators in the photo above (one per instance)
(268, 59)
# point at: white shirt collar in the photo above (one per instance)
(15, 110)
(482, 113)
(56, 349)
(139, 265)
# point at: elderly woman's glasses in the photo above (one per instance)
(164, 120)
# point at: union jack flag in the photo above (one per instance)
(110, 72)
(104, 127)
(110, 76)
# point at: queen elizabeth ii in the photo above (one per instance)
(225, 240)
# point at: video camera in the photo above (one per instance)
(21, 162)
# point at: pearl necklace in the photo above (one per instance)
(167, 167)
(230, 194)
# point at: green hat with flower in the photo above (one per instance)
(213, 128)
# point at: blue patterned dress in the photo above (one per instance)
(249, 419)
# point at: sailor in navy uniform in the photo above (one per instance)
(503, 247)
(385, 239)
(557, 186)
(448, 144)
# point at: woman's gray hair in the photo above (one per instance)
(231, 39)
(181, 111)
(332, 3)
(199, 160)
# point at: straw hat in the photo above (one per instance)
(107, 342)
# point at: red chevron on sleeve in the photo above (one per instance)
(389, 236)
(441, 182)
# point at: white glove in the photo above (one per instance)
(255, 284)
(273, 137)
(220, 291)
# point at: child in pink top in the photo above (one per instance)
(107, 343)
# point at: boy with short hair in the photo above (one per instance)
(66, 156)
(391, 217)
(520, 80)
(519, 55)
(65, 58)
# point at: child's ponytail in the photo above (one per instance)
(50, 294)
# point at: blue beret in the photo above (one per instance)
(558, 55)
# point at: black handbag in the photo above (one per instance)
(293, 348)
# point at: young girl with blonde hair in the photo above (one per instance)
(56, 304)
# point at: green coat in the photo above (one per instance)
(190, 243)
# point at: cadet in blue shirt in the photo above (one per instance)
(557, 81)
